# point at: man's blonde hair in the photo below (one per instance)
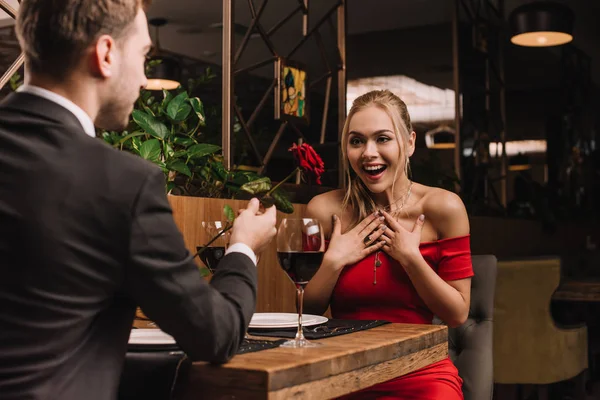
(357, 196)
(55, 33)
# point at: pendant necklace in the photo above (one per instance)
(404, 198)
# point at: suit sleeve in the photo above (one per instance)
(207, 320)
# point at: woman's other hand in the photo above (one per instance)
(401, 243)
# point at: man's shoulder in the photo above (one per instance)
(125, 162)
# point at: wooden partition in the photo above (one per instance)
(276, 293)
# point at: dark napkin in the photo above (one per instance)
(333, 327)
(252, 345)
(247, 346)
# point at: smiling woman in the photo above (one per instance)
(398, 250)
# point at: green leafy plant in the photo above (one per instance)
(168, 132)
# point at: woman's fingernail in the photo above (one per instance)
(422, 217)
(382, 218)
(376, 213)
(334, 217)
(383, 227)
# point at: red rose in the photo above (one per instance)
(308, 160)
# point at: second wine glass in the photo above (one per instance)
(300, 248)
(215, 251)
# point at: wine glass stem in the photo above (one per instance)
(299, 302)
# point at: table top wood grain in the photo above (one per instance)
(343, 364)
(575, 290)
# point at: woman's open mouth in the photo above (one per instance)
(374, 172)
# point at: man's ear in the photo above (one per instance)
(412, 138)
(103, 59)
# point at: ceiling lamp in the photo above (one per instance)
(541, 24)
(520, 162)
(442, 137)
(167, 73)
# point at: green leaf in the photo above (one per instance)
(150, 124)
(257, 186)
(170, 186)
(228, 212)
(150, 150)
(179, 166)
(205, 173)
(240, 178)
(282, 203)
(167, 97)
(184, 141)
(131, 135)
(219, 170)
(198, 108)
(202, 149)
(178, 109)
(203, 271)
(136, 144)
(168, 150)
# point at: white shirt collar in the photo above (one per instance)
(84, 119)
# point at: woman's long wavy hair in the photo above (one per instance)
(357, 196)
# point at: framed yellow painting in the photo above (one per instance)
(291, 95)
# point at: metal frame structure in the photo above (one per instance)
(485, 17)
(7, 8)
(231, 59)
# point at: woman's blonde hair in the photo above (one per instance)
(357, 195)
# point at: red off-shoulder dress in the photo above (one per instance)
(395, 299)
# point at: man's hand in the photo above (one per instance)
(254, 229)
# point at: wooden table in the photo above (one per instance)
(588, 291)
(344, 364)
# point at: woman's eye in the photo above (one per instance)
(355, 141)
(383, 139)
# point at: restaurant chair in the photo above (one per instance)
(529, 347)
(470, 345)
(153, 375)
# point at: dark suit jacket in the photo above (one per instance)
(86, 234)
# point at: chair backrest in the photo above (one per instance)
(471, 344)
(529, 347)
(154, 375)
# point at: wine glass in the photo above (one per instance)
(215, 250)
(300, 248)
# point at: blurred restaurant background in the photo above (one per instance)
(510, 123)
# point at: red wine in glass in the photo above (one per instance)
(300, 248)
(300, 267)
(211, 256)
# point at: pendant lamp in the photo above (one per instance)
(167, 74)
(541, 24)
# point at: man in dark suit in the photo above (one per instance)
(86, 232)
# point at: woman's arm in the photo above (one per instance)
(449, 300)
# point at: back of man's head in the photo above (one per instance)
(54, 34)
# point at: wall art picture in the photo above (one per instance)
(291, 97)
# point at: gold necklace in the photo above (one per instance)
(404, 199)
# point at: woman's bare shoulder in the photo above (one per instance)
(324, 206)
(446, 212)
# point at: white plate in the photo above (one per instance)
(150, 336)
(284, 320)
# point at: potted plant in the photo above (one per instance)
(167, 131)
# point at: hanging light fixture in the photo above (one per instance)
(442, 137)
(167, 73)
(520, 162)
(541, 24)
